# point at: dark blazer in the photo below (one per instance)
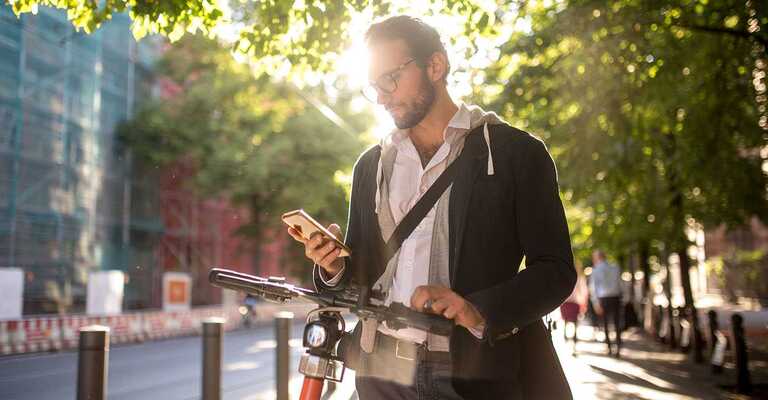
(494, 221)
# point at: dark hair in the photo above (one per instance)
(422, 40)
(600, 253)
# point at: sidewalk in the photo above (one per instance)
(647, 370)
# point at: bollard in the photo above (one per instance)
(698, 338)
(92, 363)
(672, 323)
(718, 355)
(685, 336)
(713, 327)
(213, 329)
(743, 381)
(658, 321)
(717, 343)
(679, 315)
(665, 327)
(283, 322)
(648, 317)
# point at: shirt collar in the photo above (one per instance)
(461, 120)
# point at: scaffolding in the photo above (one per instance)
(72, 200)
(67, 187)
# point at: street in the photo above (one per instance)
(170, 370)
(165, 369)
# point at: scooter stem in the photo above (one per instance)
(312, 388)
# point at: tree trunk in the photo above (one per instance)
(633, 318)
(632, 268)
(671, 335)
(678, 212)
(690, 306)
(645, 253)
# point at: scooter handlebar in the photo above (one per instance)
(397, 316)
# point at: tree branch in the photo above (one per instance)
(728, 31)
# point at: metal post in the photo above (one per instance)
(648, 320)
(685, 335)
(213, 329)
(698, 339)
(92, 363)
(717, 345)
(283, 322)
(743, 381)
(672, 321)
(663, 331)
(659, 322)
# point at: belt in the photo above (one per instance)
(404, 350)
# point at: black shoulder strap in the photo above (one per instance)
(417, 213)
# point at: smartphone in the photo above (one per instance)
(306, 226)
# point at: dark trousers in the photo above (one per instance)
(611, 307)
(431, 381)
(383, 376)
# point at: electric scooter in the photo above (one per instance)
(324, 334)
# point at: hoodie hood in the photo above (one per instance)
(480, 117)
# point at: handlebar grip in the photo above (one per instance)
(254, 285)
(433, 323)
(271, 289)
(228, 280)
(215, 276)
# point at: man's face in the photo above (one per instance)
(412, 99)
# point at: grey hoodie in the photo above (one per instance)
(439, 249)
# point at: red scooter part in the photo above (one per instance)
(312, 388)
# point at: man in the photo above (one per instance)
(463, 260)
(606, 291)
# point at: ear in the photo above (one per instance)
(438, 66)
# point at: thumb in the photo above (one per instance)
(336, 230)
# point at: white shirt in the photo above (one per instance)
(408, 183)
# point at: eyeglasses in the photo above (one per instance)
(386, 83)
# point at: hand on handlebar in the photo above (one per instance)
(321, 250)
(444, 301)
(277, 290)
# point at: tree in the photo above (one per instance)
(303, 35)
(650, 110)
(261, 144)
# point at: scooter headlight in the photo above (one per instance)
(316, 335)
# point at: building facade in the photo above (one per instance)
(72, 199)
(66, 183)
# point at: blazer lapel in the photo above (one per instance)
(461, 194)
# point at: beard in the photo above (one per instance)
(418, 108)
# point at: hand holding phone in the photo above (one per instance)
(321, 245)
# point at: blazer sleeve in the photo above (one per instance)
(353, 233)
(549, 275)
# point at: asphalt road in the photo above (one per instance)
(166, 370)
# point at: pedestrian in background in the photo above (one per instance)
(606, 292)
(575, 306)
